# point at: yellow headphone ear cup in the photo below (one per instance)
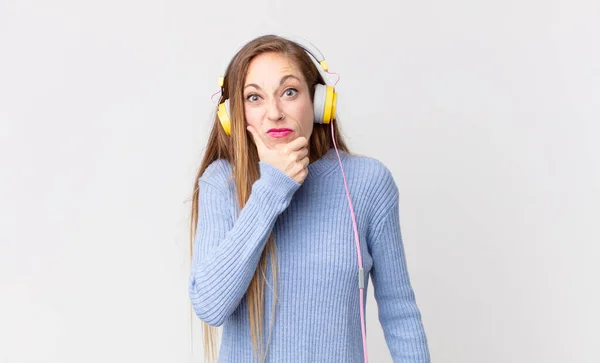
(334, 105)
(223, 114)
(330, 101)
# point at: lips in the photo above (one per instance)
(278, 130)
(279, 133)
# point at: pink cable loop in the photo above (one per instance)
(338, 77)
(213, 95)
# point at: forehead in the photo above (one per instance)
(270, 67)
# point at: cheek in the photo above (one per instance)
(309, 112)
(302, 110)
(253, 115)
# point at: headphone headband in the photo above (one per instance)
(308, 47)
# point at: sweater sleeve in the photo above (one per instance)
(399, 315)
(226, 252)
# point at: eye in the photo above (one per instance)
(253, 97)
(290, 92)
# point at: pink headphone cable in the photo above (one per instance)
(360, 265)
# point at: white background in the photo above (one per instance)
(487, 113)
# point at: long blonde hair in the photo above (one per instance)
(240, 151)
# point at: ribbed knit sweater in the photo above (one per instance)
(317, 317)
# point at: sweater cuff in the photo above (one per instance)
(277, 182)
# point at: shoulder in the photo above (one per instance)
(373, 173)
(218, 174)
(217, 188)
(374, 182)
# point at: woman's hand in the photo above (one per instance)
(291, 158)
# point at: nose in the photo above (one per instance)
(274, 111)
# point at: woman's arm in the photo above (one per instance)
(226, 252)
(399, 315)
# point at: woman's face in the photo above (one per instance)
(275, 86)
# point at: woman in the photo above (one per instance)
(274, 232)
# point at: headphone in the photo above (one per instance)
(325, 97)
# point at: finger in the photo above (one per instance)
(305, 162)
(297, 143)
(301, 154)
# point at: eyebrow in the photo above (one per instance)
(283, 79)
